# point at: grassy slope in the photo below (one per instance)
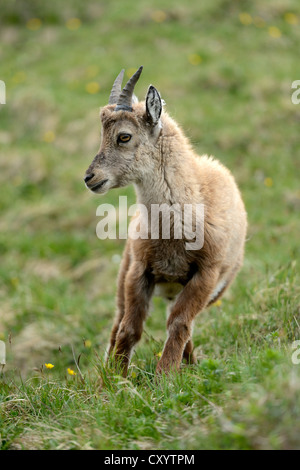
(229, 85)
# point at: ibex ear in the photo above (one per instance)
(153, 105)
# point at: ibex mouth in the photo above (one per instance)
(97, 186)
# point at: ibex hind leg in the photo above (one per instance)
(188, 353)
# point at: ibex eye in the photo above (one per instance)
(123, 138)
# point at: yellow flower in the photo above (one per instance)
(88, 343)
(159, 16)
(19, 77)
(195, 59)
(268, 182)
(159, 354)
(218, 303)
(73, 23)
(274, 32)
(33, 24)
(245, 18)
(49, 366)
(92, 87)
(71, 372)
(49, 137)
(14, 281)
(291, 18)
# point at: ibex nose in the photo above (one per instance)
(88, 177)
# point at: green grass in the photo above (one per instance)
(229, 85)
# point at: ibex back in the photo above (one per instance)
(143, 146)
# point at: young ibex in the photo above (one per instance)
(142, 145)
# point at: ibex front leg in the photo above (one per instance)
(192, 299)
(137, 290)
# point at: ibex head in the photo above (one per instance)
(130, 132)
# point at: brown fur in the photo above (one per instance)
(161, 164)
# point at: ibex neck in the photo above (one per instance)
(172, 178)
(155, 190)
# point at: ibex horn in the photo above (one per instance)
(116, 88)
(125, 98)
